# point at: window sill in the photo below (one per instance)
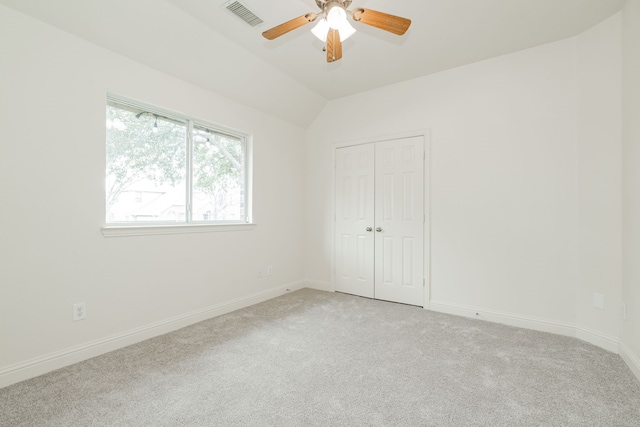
(147, 230)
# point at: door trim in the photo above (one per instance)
(426, 135)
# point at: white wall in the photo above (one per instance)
(630, 343)
(53, 90)
(599, 83)
(508, 178)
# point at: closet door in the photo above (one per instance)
(399, 214)
(354, 220)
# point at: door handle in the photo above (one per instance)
(369, 228)
(379, 229)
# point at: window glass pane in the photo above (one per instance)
(146, 166)
(218, 176)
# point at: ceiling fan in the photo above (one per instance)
(334, 28)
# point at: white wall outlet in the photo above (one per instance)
(79, 311)
(269, 270)
(598, 301)
(260, 274)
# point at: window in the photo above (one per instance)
(164, 169)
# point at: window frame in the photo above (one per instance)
(189, 225)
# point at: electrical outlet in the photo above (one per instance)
(269, 270)
(260, 274)
(79, 311)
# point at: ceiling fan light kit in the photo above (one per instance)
(333, 27)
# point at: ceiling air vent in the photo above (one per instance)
(242, 12)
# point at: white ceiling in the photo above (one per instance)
(201, 42)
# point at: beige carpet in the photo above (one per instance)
(312, 358)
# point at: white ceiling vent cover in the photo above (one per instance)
(242, 12)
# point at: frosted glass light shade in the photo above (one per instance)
(335, 16)
(321, 29)
(346, 30)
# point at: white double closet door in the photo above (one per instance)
(379, 220)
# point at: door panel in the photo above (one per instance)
(354, 196)
(400, 201)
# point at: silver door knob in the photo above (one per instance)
(369, 229)
(379, 229)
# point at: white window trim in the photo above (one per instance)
(125, 229)
(155, 229)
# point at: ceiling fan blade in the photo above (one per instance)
(334, 46)
(281, 29)
(384, 21)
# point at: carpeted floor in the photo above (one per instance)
(313, 358)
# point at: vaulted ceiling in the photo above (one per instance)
(200, 41)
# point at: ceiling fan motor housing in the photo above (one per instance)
(322, 4)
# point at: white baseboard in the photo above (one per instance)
(632, 360)
(318, 285)
(47, 363)
(504, 318)
(596, 338)
(543, 325)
